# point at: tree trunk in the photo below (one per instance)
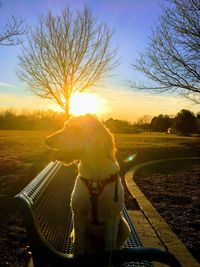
(67, 114)
(67, 106)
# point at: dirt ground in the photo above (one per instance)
(175, 194)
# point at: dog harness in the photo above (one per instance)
(95, 188)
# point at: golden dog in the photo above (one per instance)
(98, 195)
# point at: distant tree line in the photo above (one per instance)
(37, 120)
(121, 126)
(184, 123)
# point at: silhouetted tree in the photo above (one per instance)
(144, 122)
(172, 58)
(198, 122)
(65, 54)
(185, 122)
(161, 123)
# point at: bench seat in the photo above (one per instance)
(45, 208)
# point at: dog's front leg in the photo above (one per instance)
(79, 235)
(111, 230)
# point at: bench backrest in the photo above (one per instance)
(45, 202)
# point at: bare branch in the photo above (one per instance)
(172, 58)
(12, 31)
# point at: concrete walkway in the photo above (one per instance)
(152, 228)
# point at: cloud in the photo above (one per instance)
(5, 85)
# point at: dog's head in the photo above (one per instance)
(82, 137)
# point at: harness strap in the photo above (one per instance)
(95, 188)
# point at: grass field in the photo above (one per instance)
(151, 146)
(23, 154)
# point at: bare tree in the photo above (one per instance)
(146, 119)
(171, 61)
(66, 54)
(11, 31)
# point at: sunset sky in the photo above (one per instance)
(132, 21)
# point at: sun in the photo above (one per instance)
(83, 103)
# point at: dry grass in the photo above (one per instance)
(152, 146)
(152, 140)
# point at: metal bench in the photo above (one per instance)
(45, 208)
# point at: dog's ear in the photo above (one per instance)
(97, 139)
(109, 145)
(102, 145)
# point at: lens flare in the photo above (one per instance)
(130, 158)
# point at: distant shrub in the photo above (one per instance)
(185, 122)
(161, 123)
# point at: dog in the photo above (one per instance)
(98, 195)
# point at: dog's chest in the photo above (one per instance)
(96, 202)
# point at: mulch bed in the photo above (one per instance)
(174, 189)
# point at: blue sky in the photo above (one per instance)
(132, 21)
